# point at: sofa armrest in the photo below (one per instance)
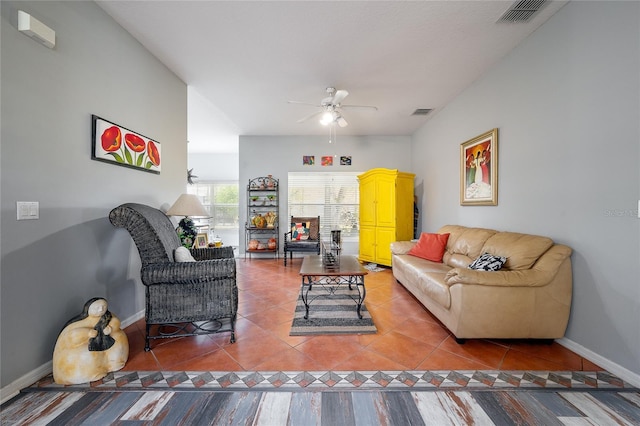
(519, 278)
(188, 272)
(401, 247)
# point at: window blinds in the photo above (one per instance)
(334, 196)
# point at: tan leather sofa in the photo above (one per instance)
(530, 297)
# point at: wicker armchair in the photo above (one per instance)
(182, 298)
(309, 243)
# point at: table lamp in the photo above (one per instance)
(187, 205)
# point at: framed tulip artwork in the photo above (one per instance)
(479, 170)
(118, 145)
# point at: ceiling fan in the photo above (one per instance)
(331, 108)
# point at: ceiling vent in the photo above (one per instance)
(422, 111)
(522, 11)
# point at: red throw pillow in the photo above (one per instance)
(430, 246)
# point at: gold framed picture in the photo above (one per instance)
(202, 241)
(479, 170)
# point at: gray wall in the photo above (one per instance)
(51, 266)
(566, 103)
(278, 155)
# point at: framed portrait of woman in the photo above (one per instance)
(479, 170)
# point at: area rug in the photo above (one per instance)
(331, 314)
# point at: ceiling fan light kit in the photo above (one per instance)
(331, 108)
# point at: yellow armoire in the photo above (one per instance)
(386, 212)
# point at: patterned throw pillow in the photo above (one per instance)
(488, 262)
(300, 231)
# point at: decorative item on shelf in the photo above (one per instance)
(262, 246)
(259, 221)
(187, 205)
(253, 244)
(254, 198)
(272, 244)
(270, 182)
(270, 218)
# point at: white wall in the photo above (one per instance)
(214, 167)
(51, 266)
(278, 155)
(567, 104)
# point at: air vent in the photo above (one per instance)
(522, 11)
(422, 111)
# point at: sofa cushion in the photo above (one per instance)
(430, 246)
(488, 262)
(429, 276)
(466, 241)
(521, 250)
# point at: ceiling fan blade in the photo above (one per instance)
(304, 103)
(309, 117)
(339, 96)
(359, 107)
(342, 122)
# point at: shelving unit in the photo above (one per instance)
(261, 229)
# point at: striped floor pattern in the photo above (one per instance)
(365, 407)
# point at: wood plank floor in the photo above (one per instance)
(162, 407)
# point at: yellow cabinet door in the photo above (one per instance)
(368, 202)
(386, 201)
(367, 244)
(384, 238)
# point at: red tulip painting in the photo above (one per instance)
(137, 151)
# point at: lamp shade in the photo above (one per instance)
(187, 205)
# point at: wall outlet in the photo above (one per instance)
(27, 210)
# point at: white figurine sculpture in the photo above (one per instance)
(90, 346)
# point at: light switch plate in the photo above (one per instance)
(28, 210)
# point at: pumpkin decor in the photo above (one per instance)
(253, 244)
(260, 221)
(272, 243)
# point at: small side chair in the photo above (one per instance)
(303, 236)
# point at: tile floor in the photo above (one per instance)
(408, 338)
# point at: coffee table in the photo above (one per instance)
(347, 272)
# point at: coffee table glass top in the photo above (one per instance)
(349, 265)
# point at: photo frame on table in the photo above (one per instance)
(202, 241)
(479, 170)
(118, 145)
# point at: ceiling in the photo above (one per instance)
(243, 60)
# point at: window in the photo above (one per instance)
(335, 197)
(222, 202)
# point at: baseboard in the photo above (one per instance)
(623, 373)
(133, 318)
(13, 388)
